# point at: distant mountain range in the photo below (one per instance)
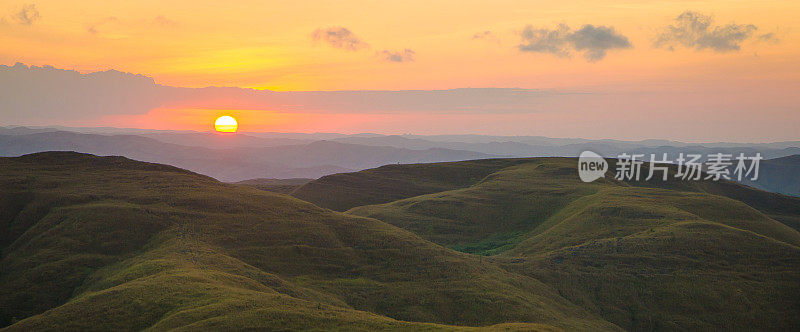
(780, 175)
(309, 160)
(246, 156)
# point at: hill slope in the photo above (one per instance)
(110, 243)
(644, 255)
(391, 182)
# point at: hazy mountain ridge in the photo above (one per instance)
(779, 175)
(285, 155)
(231, 164)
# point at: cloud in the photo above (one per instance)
(553, 41)
(339, 37)
(769, 37)
(46, 93)
(52, 96)
(593, 41)
(695, 30)
(27, 15)
(405, 55)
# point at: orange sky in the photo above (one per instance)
(269, 45)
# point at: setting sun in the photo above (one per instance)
(226, 124)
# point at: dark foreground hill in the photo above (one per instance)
(107, 243)
(652, 255)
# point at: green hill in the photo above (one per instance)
(281, 186)
(643, 255)
(384, 184)
(113, 244)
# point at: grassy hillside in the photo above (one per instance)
(490, 216)
(281, 186)
(391, 182)
(644, 255)
(109, 243)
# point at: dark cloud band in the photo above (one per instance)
(405, 55)
(339, 37)
(695, 30)
(593, 41)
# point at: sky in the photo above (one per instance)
(684, 70)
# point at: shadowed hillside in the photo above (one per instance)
(110, 243)
(644, 255)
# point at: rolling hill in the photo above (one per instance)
(643, 255)
(115, 244)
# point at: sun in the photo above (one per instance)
(226, 124)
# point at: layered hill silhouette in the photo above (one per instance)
(780, 175)
(225, 159)
(643, 255)
(110, 243)
(247, 156)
